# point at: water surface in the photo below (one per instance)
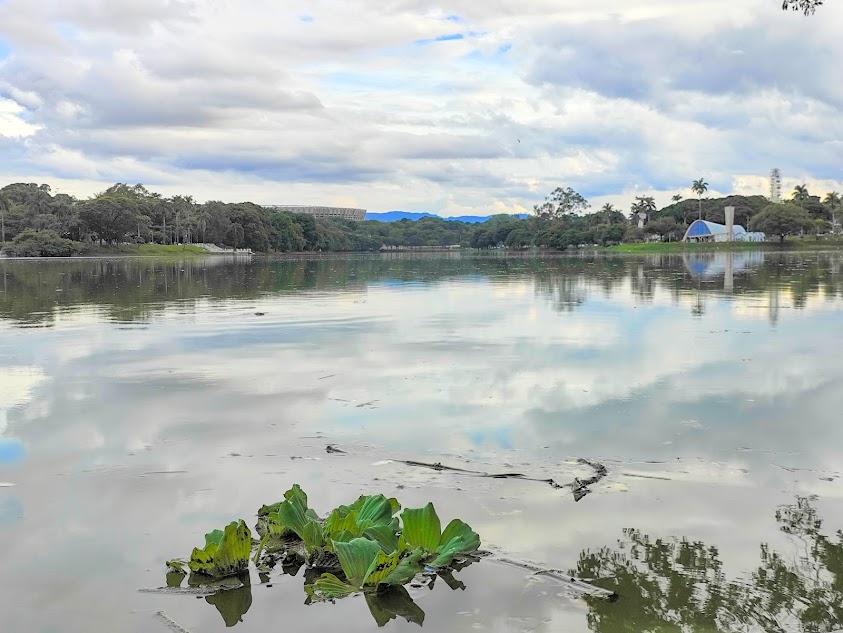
(144, 403)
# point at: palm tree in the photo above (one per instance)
(833, 201)
(800, 194)
(699, 187)
(606, 212)
(647, 204)
(677, 197)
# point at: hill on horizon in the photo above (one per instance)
(395, 216)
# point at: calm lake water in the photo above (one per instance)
(144, 403)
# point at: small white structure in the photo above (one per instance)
(704, 231)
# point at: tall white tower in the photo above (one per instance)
(776, 185)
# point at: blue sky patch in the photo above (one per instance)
(11, 451)
(450, 37)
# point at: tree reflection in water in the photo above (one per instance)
(679, 585)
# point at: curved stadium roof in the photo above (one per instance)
(703, 228)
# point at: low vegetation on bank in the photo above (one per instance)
(128, 219)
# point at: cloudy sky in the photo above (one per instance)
(464, 107)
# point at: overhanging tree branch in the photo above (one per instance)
(805, 6)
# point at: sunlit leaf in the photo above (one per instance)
(407, 569)
(364, 513)
(176, 565)
(383, 565)
(226, 553)
(339, 521)
(421, 528)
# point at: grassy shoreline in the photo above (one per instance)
(791, 244)
(148, 250)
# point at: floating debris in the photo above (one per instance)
(579, 487)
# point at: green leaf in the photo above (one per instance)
(226, 553)
(176, 565)
(366, 512)
(312, 536)
(329, 587)
(343, 537)
(458, 538)
(385, 537)
(356, 558)
(292, 514)
(383, 565)
(214, 538)
(407, 569)
(376, 510)
(421, 528)
(285, 518)
(341, 520)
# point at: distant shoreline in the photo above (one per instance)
(790, 244)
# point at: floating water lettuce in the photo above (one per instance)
(226, 552)
(358, 548)
(422, 530)
(370, 517)
(285, 518)
(365, 566)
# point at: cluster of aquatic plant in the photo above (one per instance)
(369, 547)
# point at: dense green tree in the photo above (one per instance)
(782, 220)
(664, 228)
(287, 235)
(562, 202)
(44, 243)
(109, 217)
(612, 234)
(236, 234)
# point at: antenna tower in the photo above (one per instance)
(776, 185)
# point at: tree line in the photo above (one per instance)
(35, 221)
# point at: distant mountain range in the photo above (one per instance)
(394, 216)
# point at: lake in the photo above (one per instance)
(144, 403)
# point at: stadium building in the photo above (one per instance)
(340, 213)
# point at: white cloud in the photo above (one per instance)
(11, 124)
(410, 109)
